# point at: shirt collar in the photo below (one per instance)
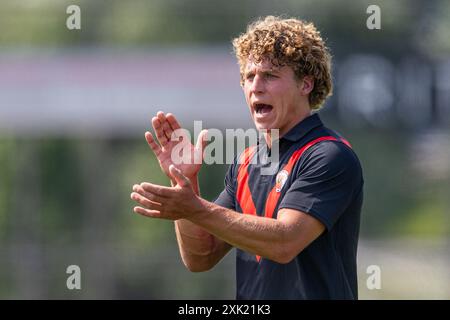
(303, 127)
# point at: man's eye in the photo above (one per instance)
(250, 77)
(269, 75)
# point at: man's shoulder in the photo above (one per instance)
(334, 155)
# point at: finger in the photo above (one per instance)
(175, 126)
(202, 140)
(150, 196)
(147, 212)
(157, 126)
(163, 192)
(165, 124)
(181, 180)
(153, 145)
(200, 146)
(173, 121)
(145, 202)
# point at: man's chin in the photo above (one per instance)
(264, 127)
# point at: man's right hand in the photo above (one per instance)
(199, 249)
(164, 126)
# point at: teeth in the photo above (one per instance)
(260, 107)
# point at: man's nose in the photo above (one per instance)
(258, 85)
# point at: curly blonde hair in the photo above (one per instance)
(288, 42)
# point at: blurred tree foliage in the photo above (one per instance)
(420, 24)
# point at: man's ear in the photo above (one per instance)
(307, 85)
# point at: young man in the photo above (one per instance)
(296, 231)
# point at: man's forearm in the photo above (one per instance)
(262, 236)
(195, 243)
(188, 232)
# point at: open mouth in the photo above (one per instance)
(262, 108)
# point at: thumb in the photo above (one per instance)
(180, 179)
(202, 141)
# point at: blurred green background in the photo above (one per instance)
(74, 105)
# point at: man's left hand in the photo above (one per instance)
(170, 203)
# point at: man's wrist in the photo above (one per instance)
(195, 186)
(203, 212)
(193, 178)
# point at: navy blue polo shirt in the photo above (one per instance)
(326, 183)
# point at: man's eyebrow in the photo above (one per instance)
(249, 73)
(271, 70)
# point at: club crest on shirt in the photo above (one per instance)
(281, 180)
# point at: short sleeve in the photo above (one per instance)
(227, 197)
(326, 182)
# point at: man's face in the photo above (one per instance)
(275, 97)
